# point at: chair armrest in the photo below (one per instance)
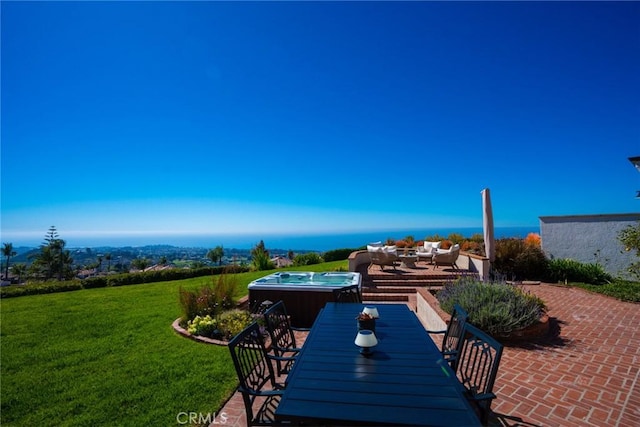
(287, 349)
(484, 396)
(436, 332)
(301, 329)
(266, 393)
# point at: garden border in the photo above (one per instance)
(242, 303)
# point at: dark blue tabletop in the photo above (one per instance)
(404, 382)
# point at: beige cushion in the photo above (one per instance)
(434, 245)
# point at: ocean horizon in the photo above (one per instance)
(296, 242)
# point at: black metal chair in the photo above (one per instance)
(347, 294)
(255, 372)
(283, 339)
(452, 339)
(478, 364)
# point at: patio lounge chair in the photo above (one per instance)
(383, 256)
(260, 391)
(447, 257)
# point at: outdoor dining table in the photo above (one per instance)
(404, 382)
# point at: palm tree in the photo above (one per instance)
(20, 270)
(8, 252)
(108, 258)
(216, 254)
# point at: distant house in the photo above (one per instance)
(159, 267)
(589, 239)
(281, 261)
(83, 274)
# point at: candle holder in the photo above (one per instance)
(371, 311)
(366, 339)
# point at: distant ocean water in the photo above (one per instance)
(313, 242)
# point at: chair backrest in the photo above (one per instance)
(279, 328)
(252, 365)
(452, 340)
(347, 294)
(478, 365)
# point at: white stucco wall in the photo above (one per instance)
(589, 239)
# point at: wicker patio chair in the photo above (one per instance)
(448, 257)
(383, 257)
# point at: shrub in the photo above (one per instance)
(260, 261)
(569, 270)
(337, 254)
(232, 322)
(630, 238)
(225, 326)
(205, 326)
(34, 288)
(208, 300)
(517, 260)
(533, 239)
(307, 259)
(495, 307)
(456, 238)
(472, 247)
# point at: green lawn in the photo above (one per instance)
(623, 290)
(109, 356)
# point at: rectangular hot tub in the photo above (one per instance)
(303, 293)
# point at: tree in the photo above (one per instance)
(630, 238)
(20, 270)
(53, 260)
(8, 252)
(107, 257)
(140, 263)
(260, 258)
(216, 254)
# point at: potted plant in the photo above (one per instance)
(366, 321)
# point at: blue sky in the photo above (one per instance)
(173, 118)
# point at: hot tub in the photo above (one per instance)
(303, 293)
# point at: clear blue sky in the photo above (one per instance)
(214, 117)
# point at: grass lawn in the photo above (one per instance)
(109, 356)
(621, 289)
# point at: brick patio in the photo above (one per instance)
(587, 374)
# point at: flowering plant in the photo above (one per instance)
(364, 316)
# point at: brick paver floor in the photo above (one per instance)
(587, 374)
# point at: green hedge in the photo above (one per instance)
(337, 254)
(561, 270)
(33, 288)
